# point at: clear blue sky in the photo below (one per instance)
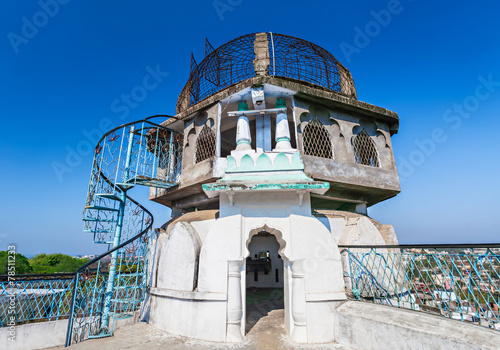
(63, 68)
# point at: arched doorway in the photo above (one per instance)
(264, 277)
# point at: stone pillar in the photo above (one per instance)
(282, 136)
(234, 302)
(299, 333)
(261, 49)
(243, 137)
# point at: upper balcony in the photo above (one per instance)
(348, 147)
(297, 98)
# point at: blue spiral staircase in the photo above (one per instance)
(112, 286)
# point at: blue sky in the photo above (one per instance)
(64, 67)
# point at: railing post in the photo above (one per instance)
(69, 332)
(118, 232)
(171, 159)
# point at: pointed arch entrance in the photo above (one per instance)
(265, 264)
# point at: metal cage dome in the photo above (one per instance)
(289, 57)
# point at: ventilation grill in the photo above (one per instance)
(205, 144)
(365, 152)
(316, 140)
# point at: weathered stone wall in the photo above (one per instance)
(192, 129)
(342, 128)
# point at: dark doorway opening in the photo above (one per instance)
(264, 278)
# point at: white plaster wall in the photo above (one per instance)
(202, 227)
(303, 238)
(199, 319)
(178, 260)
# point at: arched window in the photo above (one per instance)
(316, 140)
(205, 144)
(365, 152)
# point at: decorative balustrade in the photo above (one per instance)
(111, 286)
(34, 298)
(461, 282)
(95, 307)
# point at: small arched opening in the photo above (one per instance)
(365, 152)
(317, 140)
(205, 144)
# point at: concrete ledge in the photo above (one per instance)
(185, 295)
(370, 326)
(38, 335)
(41, 335)
(338, 296)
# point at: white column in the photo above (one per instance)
(282, 136)
(243, 137)
(234, 302)
(299, 333)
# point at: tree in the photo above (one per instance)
(21, 263)
(55, 263)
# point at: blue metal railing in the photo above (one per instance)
(34, 298)
(136, 153)
(461, 282)
(111, 286)
(88, 317)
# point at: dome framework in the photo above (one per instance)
(289, 57)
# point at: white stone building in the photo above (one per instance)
(280, 163)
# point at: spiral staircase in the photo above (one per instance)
(112, 286)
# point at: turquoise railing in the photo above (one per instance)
(88, 316)
(137, 153)
(35, 298)
(461, 282)
(112, 286)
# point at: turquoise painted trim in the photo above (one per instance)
(231, 162)
(246, 162)
(267, 186)
(281, 139)
(280, 102)
(281, 161)
(243, 106)
(242, 142)
(297, 161)
(264, 161)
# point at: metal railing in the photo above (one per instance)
(90, 297)
(460, 282)
(111, 286)
(35, 298)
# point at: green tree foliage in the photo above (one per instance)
(55, 263)
(22, 263)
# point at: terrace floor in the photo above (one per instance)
(268, 334)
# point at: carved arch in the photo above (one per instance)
(271, 230)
